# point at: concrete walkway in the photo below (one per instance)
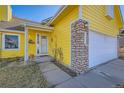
(103, 76)
(53, 74)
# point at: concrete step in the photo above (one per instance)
(40, 59)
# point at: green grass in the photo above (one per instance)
(22, 76)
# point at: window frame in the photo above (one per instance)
(3, 41)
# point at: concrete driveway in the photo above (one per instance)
(103, 76)
(113, 70)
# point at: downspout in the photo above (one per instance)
(80, 12)
(26, 44)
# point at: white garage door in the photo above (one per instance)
(102, 48)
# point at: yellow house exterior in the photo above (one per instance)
(91, 23)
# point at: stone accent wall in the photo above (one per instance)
(79, 45)
(121, 46)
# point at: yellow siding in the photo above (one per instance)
(98, 21)
(61, 34)
(31, 47)
(9, 16)
(118, 17)
(5, 13)
(32, 36)
(14, 53)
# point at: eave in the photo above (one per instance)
(39, 27)
(7, 30)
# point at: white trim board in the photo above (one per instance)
(39, 26)
(16, 31)
(93, 30)
(26, 44)
(36, 43)
(41, 29)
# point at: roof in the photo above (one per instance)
(45, 21)
(18, 24)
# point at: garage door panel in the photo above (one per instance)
(102, 48)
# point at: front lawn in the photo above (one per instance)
(22, 76)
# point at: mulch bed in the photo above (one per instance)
(65, 69)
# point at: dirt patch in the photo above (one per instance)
(20, 75)
(6, 61)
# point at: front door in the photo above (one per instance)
(44, 46)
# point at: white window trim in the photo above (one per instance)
(3, 41)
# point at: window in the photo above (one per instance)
(10, 41)
(38, 43)
(110, 11)
(38, 38)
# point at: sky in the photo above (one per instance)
(34, 12)
(122, 10)
(39, 12)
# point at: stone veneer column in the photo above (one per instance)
(79, 45)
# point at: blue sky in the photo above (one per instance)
(34, 12)
(39, 12)
(122, 10)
